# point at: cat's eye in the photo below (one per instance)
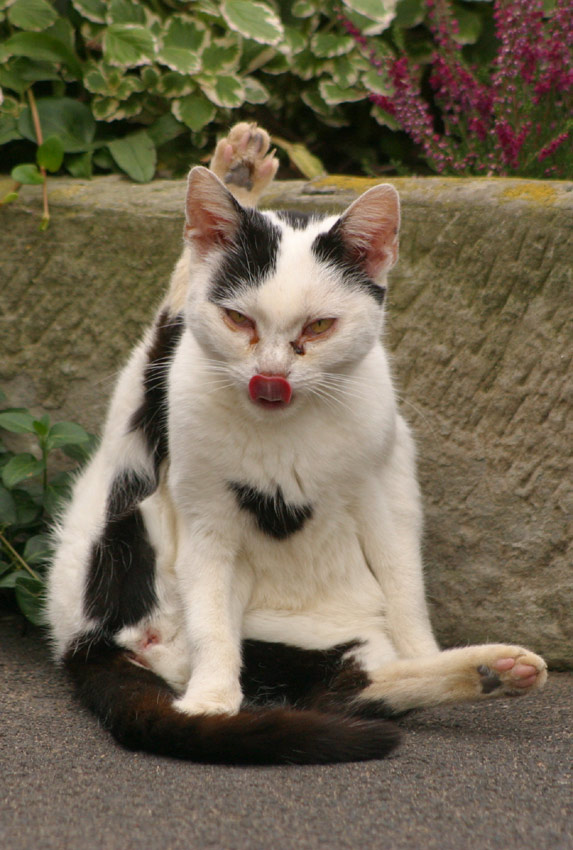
(319, 326)
(239, 319)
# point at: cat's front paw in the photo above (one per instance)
(209, 700)
(243, 162)
(508, 671)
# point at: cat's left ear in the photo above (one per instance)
(369, 229)
(212, 214)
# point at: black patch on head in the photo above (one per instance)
(296, 219)
(274, 516)
(120, 585)
(151, 415)
(250, 258)
(331, 248)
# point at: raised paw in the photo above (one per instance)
(243, 162)
(510, 671)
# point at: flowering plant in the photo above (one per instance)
(513, 118)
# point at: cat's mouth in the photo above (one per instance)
(270, 391)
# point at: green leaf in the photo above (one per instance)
(43, 47)
(30, 597)
(38, 549)
(179, 59)
(165, 129)
(83, 451)
(125, 12)
(255, 91)
(50, 154)
(19, 467)
(27, 510)
(410, 13)
(136, 155)
(28, 174)
(328, 45)
(8, 514)
(195, 111)
(93, 10)
(172, 84)
(66, 434)
(253, 20)
(302, 158)
(376, 10)
(303, 9)
(34, 15)
(80, 165)
(15, 420)
(333, 93)
(8, 579)
(42, 426)
(68, 119)
(20, 72)
(469, 25)
(224, 91)
(187, 33)
(222, 56)
(128, 45)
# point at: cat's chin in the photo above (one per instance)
(265, 404)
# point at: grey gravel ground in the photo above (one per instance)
(497, 775)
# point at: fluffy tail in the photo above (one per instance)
(136, 706)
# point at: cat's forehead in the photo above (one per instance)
(298, 284)
(273, 264)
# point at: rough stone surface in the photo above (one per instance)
(480, 318)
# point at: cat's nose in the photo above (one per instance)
(270, 389)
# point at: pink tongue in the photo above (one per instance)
(270, 388)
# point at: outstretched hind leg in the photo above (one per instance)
(243, 162)
(455, 675)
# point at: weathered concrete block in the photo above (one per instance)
(480, 323)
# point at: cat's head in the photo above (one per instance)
(279, 302)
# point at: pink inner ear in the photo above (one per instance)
(212, 212)
(370, 229)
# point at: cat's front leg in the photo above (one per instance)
(390, 523)
(214, 597)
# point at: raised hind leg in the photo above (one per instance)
(243, 162)
(455, 675)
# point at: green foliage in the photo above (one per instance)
(30, 499)
(145, 87)
(103, 78)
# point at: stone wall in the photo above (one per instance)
(480, 325)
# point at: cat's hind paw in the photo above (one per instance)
(243, 162)
(511, 671)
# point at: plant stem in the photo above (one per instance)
(21, 563)
(40, 140)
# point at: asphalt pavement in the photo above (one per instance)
(494, 775)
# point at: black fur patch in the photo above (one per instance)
(331, 248)
(280, 673)
(120, 586)
(251, 257)
(136, 706)
(273, 514)
(150, 417)
(296, 219)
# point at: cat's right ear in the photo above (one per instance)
(212, 214)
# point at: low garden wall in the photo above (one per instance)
(480, 326)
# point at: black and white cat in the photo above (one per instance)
(238, 576)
